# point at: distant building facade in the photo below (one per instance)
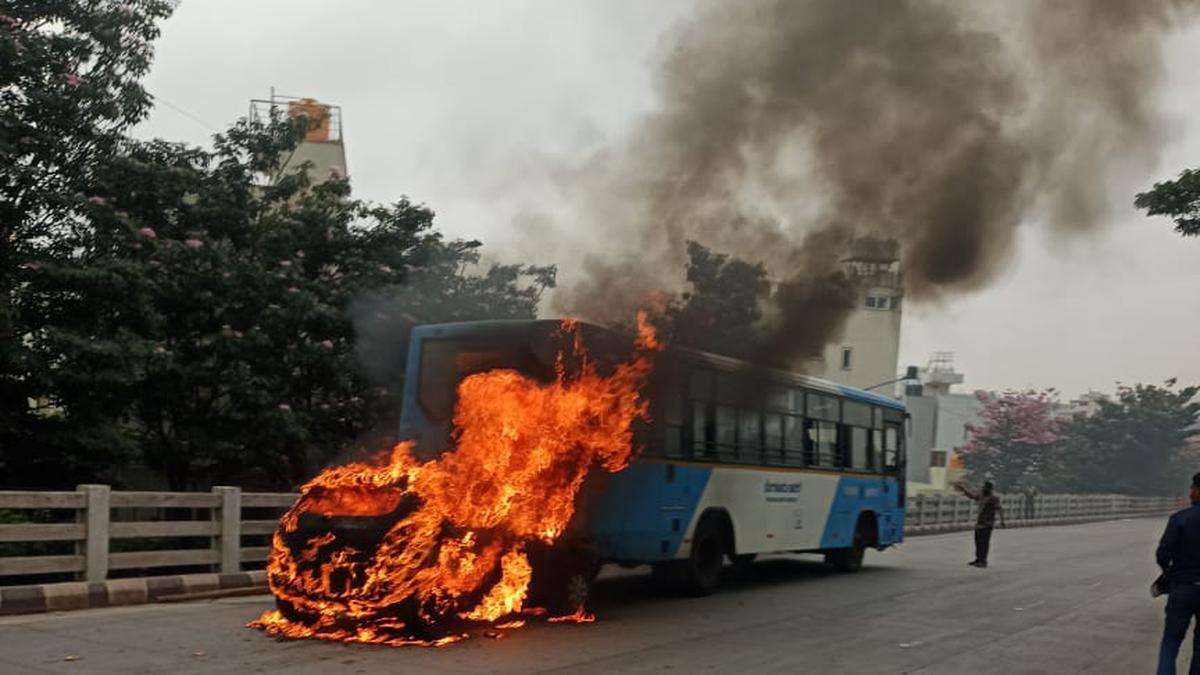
(323, 147)
(939, 426)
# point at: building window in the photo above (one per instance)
(871, 300)
(937, 458)
(847, 353)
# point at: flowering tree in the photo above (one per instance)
(1016, 444)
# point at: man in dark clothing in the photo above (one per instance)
(989, 509)
(1178, 555)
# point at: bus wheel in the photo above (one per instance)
(703, 568)
(743, 563)
(850, 559)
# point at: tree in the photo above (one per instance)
(1179, 199)
(203, 322)
(722, 310)
(1134, 443)
(68, 91)
(1016, 443)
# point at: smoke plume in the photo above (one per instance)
(785, 129)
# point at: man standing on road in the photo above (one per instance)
(989, 509)
(1178, 555)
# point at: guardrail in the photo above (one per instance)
(221, 521)
(926, 514)
(85, 518)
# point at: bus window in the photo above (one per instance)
(793, 441)
(750, 436)
(856, 414)
(823, 443)
(877, 449)
(726, 433)
(445, 363)
(773, 438)
(860, 448)
(822, 407)
(701, 385)
(702, 429)
(786, 399)
(673, 418)
(891, 447)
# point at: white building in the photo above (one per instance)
(939, 425)
(866, 353)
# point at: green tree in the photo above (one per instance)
(68, 91)
(1179, 199)
(203, 321)
(722, 310)
(1133, 443)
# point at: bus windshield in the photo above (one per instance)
(445, 363)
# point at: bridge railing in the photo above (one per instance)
(946, 513)
(94, 533)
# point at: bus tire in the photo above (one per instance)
(702, 569)
(850, 559)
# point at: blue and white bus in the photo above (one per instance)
(737, 460)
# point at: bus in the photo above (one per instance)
(736, 459)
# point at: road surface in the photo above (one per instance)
(1070, 599)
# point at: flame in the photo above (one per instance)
(456, 528)
(580, 616)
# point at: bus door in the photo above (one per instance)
(894, 480)
(677, 486)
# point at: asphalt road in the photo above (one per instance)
(1056, 600)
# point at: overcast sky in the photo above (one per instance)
(452, 101)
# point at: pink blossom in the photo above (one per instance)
(26, 140)
(293, 289)
(73, 79)
(97, 200)
(193, 243)
(385, 269)
(327, 344)
(148, 232)
(299, 254)
(8, 20)
(285, 407)
(285, 263)
(160, 350)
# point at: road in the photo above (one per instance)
(1070, 599)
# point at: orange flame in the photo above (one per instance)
(454, 547)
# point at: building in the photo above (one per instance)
(939, 425)
(866, 353)
(1085, 406)
(323, 147)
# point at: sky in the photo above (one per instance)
(457, 103)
